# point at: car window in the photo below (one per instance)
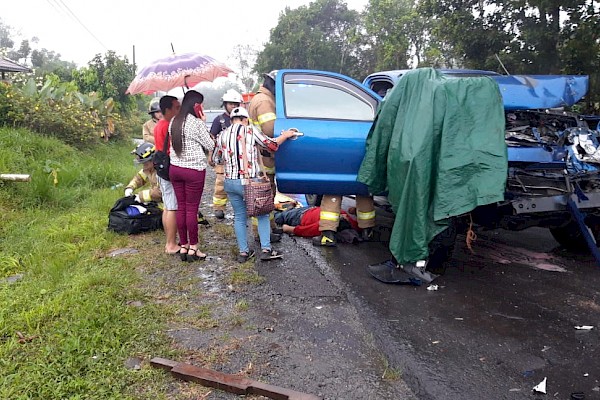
(211, 115)
(321, 97)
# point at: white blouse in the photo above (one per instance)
(196, 143)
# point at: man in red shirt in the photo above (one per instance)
(169, 106)
(304, 221)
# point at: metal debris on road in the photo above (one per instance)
(227, 382)
(584, 327)
(432, 287)
(540, 387)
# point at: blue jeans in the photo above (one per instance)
(235, 192)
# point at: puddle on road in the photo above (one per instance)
(504, 254)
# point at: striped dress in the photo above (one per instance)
(230, 146)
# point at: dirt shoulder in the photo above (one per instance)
(288, 323)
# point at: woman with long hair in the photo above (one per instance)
(190, 141)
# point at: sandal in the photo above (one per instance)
(174, 253)
(183, 255)
(245, 256)
(192, 255)
(268, 254)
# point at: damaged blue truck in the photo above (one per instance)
(553, 155)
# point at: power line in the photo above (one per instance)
(74, 17)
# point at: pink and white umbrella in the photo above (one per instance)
(177, 71)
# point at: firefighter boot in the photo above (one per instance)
(366, 235)
(326, 239)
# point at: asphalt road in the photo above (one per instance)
(502, 320)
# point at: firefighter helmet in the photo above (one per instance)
(154, 106)
(144, 153)
(272, 75)
(232, 96)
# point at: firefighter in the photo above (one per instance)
(230, 100)
(144, 153)
(329, 219)
(155, 116)
(262, 114)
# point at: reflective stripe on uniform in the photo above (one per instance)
(266, 117)
(366, 215)
(145, 196)
(329, 216)
(269, 170)
(219, 202)
(142, 174)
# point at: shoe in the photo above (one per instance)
(390, 272)
(327, 239)
(192, 255)
(219, 214)
(243, 257)
(202, 220)
(266, 255)
(183, 255)
(367, 234)
(277, 231)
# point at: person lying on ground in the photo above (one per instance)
(304, 221)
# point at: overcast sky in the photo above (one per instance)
(78, 30)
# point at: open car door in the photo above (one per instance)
(334, 113)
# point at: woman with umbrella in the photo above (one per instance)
(190, 140)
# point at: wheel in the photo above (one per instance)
(313, 200)
(441, 248)
(571, 238)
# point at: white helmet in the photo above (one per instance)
(232, 96)
(240, 112)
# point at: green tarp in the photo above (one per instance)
(437, 147)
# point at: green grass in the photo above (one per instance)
(66, 327)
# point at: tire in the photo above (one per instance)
(313, 200)
(441, 249)
(571, 238)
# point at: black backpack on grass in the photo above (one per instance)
(121, 221)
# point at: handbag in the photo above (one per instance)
(162, 161)
(258, 194)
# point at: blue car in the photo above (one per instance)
(552, 159)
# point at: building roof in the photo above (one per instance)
(7, 65)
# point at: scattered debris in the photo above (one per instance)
(540, 387)
(514, 390)
(546, 348)
(25, 339)
(230, 383)
(584, 327)
(459, 319)
(134, 363)
(13, 278)
(432, 287)
(436, 342)
(121, 252)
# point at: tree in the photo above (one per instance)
(45, 62)
(6, 41)
(386, 27)
(109, 76)
(322, 35)
(245, 58)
